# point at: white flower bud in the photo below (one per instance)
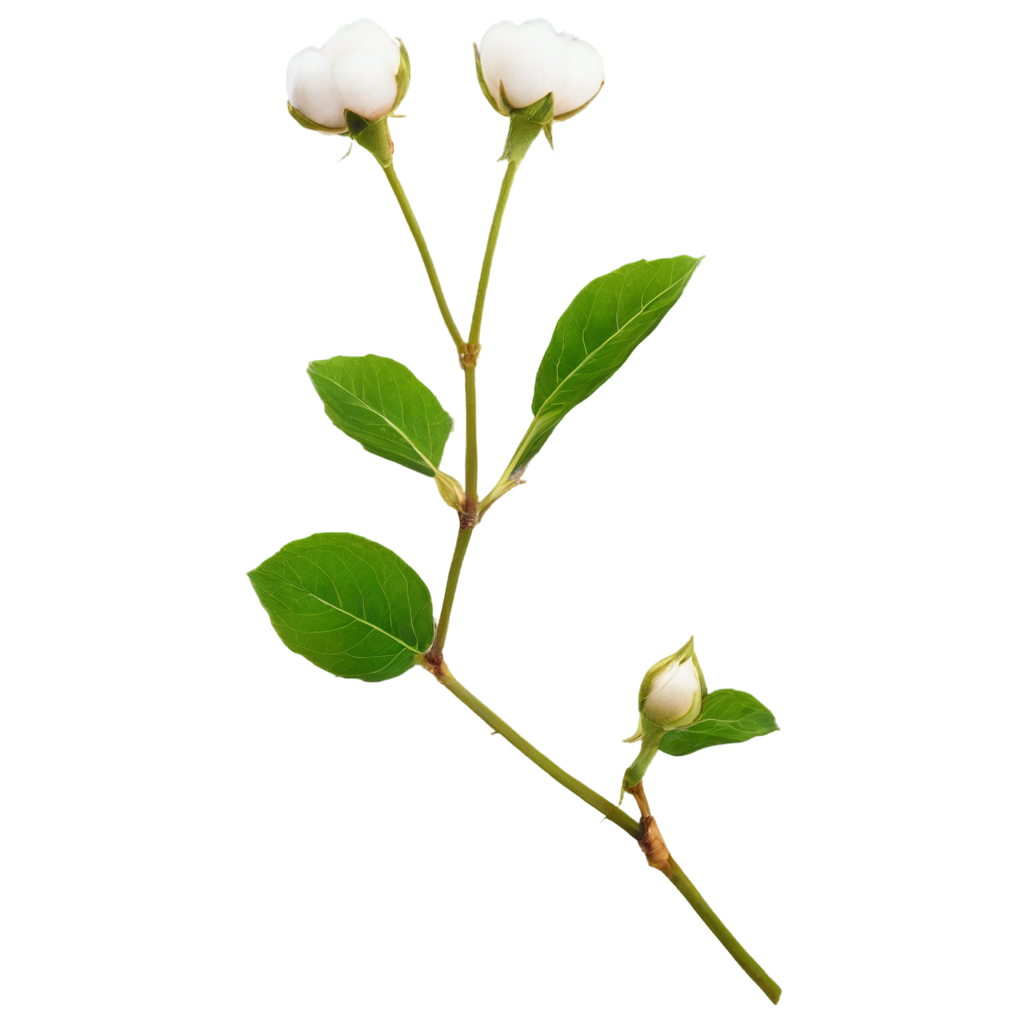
(673, 695)
(360, 69)
(521, 64)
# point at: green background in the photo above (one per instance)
(812, 465)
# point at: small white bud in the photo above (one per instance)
(673, 696)
(528, 61)
(359, 69)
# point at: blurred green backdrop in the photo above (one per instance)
(814, 466)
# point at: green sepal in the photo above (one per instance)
(541, 111)
(726, 716)
(374, 136)
(502, 107)
(525, 125)
(404, 75)
(312, 125)
(573, 113)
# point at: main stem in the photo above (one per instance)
(469, 353)
(441, 633)
(428, 263)
(585, 793)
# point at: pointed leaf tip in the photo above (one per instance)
(596, 334)
(385, 407)
(727, 716)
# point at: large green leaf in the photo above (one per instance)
(728, 716)
(385, 408)
(596, 335)
(349, 605)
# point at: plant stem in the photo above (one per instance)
(637, 830)
(492, 241)
(468, 352)
(471, 455)
(461, 544)
(754, 970)
(585, 793)
(428, 263)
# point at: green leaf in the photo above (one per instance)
(349, 605)
(385, 408)
(596, 335)
(728, 716)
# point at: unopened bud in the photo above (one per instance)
(451, 490)
(670, 695)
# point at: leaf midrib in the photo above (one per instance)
(370, 625)
(398, 430)
(734, 722)
(607, 341)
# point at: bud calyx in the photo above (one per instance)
(350, 85)
(672, 690)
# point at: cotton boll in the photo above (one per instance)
(312, 90)
(366, 83)
(362, 35)
(538, 53)
(532, 60)
(521, 58)
(582, 77)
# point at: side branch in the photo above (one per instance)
(492, 241)
(428, 263)
(645, 832)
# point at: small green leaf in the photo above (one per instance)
(349, 605)
(596, 335)
(728, 716)
(385, 408)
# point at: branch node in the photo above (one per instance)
(650, 842)
(433, 662)
(653, 845)
(469, 514)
